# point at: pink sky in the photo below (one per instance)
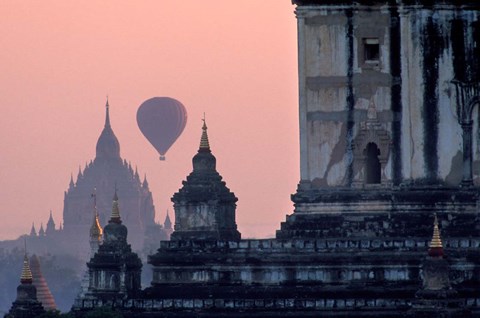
(234, 60)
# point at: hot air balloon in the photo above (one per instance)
(161, 120)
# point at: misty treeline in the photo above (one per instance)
(62, 273)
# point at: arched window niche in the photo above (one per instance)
(371, 150)
(373, 167)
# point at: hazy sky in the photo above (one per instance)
(234, 60)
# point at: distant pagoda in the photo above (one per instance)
(106, 171)
(43, 292)
(115, 271)
(26, 305)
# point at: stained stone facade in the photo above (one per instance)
(389, 135)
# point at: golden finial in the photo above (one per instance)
(115, 216)
(436, 246)
(96, 231)
(26, 277)
(204, 144)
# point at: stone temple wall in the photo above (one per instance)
(383, 74)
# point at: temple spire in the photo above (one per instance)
(436, 246)
(33, 232)
(137, 176)
(26, 277)
(41, 232)
(80, 175)
(72, 184)
(115, 216)
(204, 144)
(107, 114)
(108, 147)
(50, 225)
(96, 231)
(168, 223)
(145, 182)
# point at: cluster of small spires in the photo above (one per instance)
(48, 231)
(133, 174)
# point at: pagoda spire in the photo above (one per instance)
(137, 176)
(145, 182)
(436, 246)
(26, 304)
(115, 216)
(41, 232)
(33, 232)
(72, 184)
(107, 114)
(50, 225)
(168, 223)
(204, 144)
(80, 175)
(108, 147)
(26, 277)
(96, 231)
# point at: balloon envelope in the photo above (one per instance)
(161, 120)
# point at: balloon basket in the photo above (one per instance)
(162, 158)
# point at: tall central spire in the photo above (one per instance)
(108, 146)
(107, 115)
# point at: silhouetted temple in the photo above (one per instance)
(114, 270)
(107, 171)
(389, 145)
(26, 305)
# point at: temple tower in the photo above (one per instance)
(388, 119)
(105, 172)
(381, 88)
(115, 271)
(204, 206)
(26, 305)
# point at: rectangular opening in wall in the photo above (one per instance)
(371, 50)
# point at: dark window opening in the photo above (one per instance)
(372, 164)
(371, 50)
